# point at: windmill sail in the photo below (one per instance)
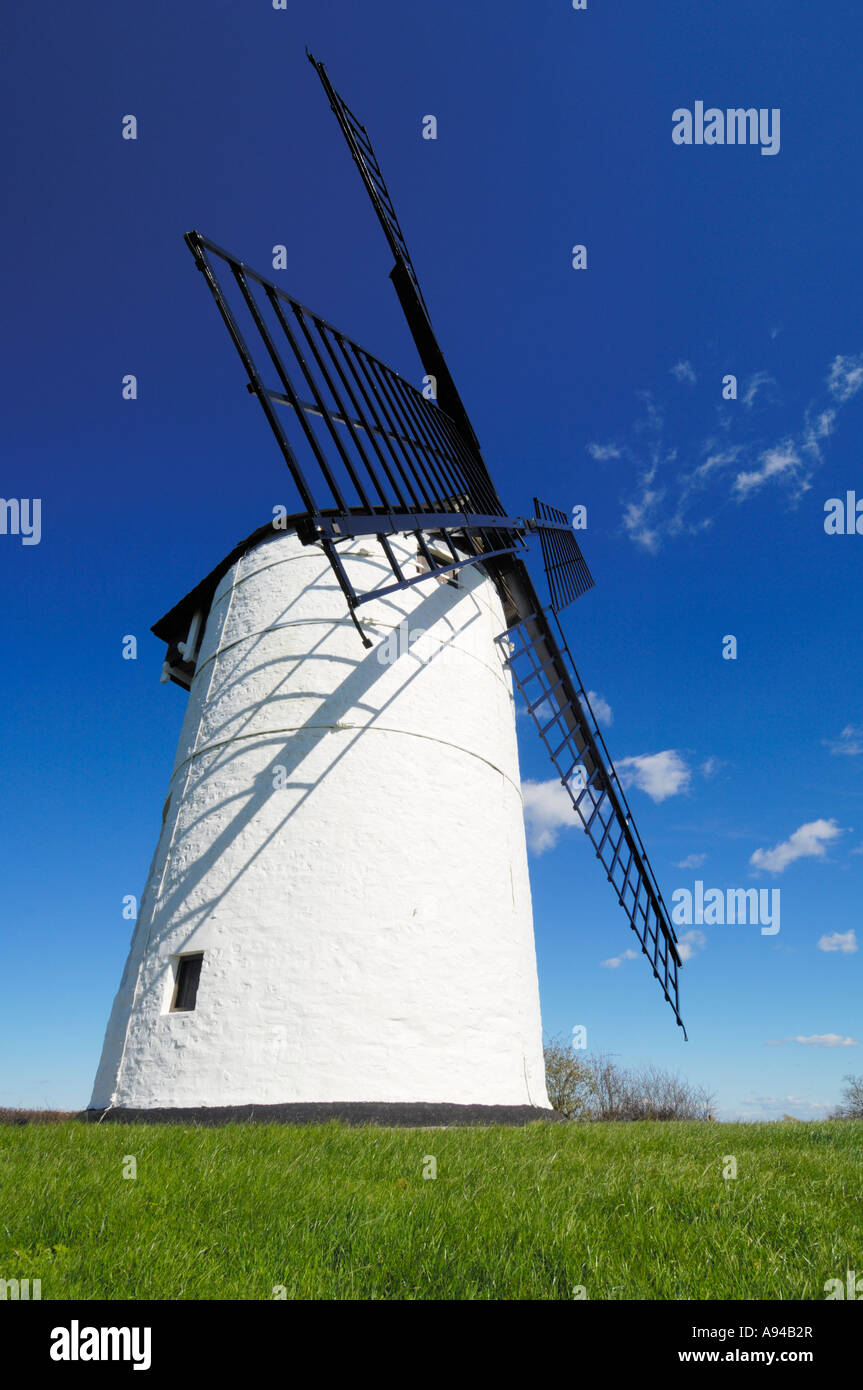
(366, 161)
(371, 456)
(565, 567)
(545, 675)
(403, 274)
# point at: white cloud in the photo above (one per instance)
(614, 962)
(715, 459)
(846, 377)
(668, 502)
(777, 462)
(710, 767)
(683, 371)
(653, 418)
(808, 842)
(754, 386)
(849, 742)
(547, 811)
(692, 861)
(659, 774)
(817, 1040)
(846, 942)
(603, 451)
(814, 430)
(637, 515)
(600, 707)
(689, 943)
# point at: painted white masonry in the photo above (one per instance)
(366, 928)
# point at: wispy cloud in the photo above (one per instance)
(810, 841)
(614, 962)
(816, 1040)
(684, 371)
(817, 426)
(782, 460)
(730, 465)
(846, 377)
(849, 743)
(637, 514)
(661, 775)
(844, 942)
(754, 385)
(692, 861)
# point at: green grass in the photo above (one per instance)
(627, 1211)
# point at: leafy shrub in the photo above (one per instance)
(585, 1087)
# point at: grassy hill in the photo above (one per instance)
(623, 1210)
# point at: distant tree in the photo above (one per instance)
(852, 1100)
(568, 1079)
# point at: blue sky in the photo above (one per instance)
(600, 386)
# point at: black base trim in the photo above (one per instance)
(349, 1112)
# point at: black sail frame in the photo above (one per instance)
(565, 567)
(403, 274)
(545, 675)
(366, 160)
(368, 453)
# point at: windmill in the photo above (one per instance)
(338, 911)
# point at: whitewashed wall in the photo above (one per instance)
(367, 927)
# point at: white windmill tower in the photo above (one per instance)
(338, 911)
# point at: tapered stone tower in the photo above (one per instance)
(338, 909)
